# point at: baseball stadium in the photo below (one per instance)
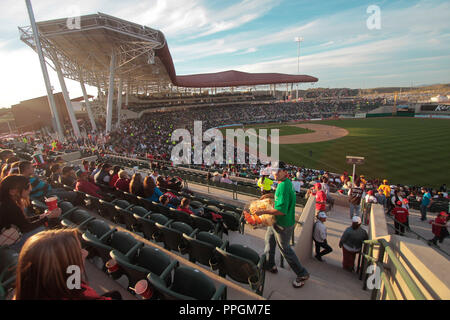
(353, 206)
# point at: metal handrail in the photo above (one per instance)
(419, 237)
(384, 248)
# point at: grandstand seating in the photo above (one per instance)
(188, 284)
(242, 264)
(8, 263)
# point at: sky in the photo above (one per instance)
(351, 43)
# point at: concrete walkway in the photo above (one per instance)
(328, 280)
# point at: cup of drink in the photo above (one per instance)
(52, 203)
(143, 289)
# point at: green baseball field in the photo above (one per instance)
(403, 150)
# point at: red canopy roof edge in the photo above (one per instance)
(229, 78)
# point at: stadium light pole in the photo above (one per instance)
(298, 40)
(51, 100)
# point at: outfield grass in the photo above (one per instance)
(285, 130)
(402, 150)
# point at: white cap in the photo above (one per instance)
(356, 219)
(322, 215)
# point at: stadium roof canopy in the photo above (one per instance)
(142, 57)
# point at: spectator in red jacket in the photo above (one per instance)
(439, 227)
(84, 185)
(184, 206)
(123, 183)
(401, 218)
(43, 264)
(321, 198)
(114, 176)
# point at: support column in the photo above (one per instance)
(119, 103)
(51, 100)
(73, 119)
(109, 104)
(88, 104)
(127, 95)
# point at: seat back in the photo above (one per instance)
(122, 241)
(153, 260)
(181, 216)
(202, 224)
(148, 227)
(121, 203)
(140, 211)
(8, 263)
(79, 216)
(173, 235)
(202, 248)
(98, 228)
(231, 220)
(239, 263)
(192, 283)
(65, 206)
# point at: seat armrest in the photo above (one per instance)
(133, 250)
(262, 260)
(84, 223)
(169, 269)
(224, 246)
(194, 233)
(106, 235)
(221, 293)
(64, 215)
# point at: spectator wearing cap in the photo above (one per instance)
(351, 243)
(354, 198)
(264, 183)
(321, 198)
(281, 232)
(216, 177)
(320, 236)
(401, 218)
(84, 185)
(370, 198)
(381, 198)
(439, 228)
(68, 176)
(425, 204)
(386, 189)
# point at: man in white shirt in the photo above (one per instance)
(296, 185)
(154, 175)
(320, 236)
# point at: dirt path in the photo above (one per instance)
(321, 133)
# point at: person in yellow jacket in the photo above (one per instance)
(386, 189)
(265, 184)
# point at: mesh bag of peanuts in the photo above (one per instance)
(261, 221)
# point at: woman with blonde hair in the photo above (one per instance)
(45, 269)
(136, 186)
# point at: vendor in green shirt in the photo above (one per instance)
(281, 232)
